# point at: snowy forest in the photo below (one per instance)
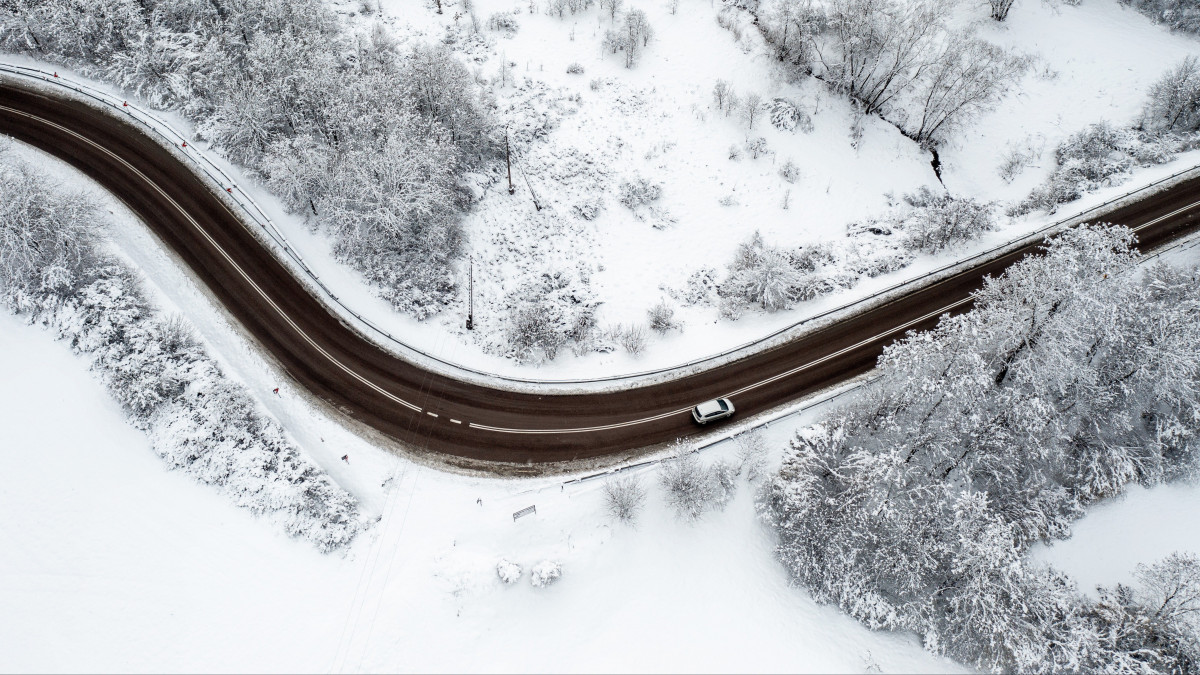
(369, 141)
(55, 272)
(1076, 374)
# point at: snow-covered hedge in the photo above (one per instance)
(366, 139)
(914, 508)
(198, 420)
(1096, 157)
(1181, 15)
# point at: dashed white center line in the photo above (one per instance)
(455, 421)
(431, 414)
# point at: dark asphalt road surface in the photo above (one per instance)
(459, 421)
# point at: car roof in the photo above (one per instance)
(710, 407)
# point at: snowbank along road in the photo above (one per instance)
(463, 422)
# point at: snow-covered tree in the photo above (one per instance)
(624, 498)
(1174, 104)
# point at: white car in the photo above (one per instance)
(711, 411)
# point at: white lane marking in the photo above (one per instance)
(1169, 215)
(743, 390)
(431, 414)
(455, 421)
(225, 255)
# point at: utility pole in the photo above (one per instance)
(508, 161)
(471, 296)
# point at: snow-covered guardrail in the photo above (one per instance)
(255, 214)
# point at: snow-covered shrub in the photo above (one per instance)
(1000, 8)
(548, 313)
(1099, 156)
(724, 482)
(757, 147)
(508, 571)
(788, 116)
(939, 220)
(394, 129)
(639, 192)
(575, 69)
(789, 171)
(503, 22)
(198, 421)
(915, 507)
(701, 287)
(728, 200)
(662, 317)
(1017, 158)
(735, 153)
(545, 573)
(688, 486)
(752, 454)
(1174, 104)
(624, 498)
(1181, 15)
(589, 208)
(633, 339)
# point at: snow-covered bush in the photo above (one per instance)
(752, 454)
(632, 339)
(1099, 156)
(724, 482)
(545, 573)
(757, 147)
(775, 279)
(548, 313)
(639, 192)
(662, 317)
(1000, 8)
(503, 22)
(198, 421)
(936, 221)
(508, 571)
(789, 171)
(325, 116)
(624, 498)
(1181, 15)
(688, 486)
(788, 116)
(914, 508)
(1174, 104)
(575, 69)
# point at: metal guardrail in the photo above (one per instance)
(255, 213)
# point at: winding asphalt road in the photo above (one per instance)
(459, 421)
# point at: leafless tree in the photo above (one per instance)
(964, 78)
(752, 108)
(1174, 103)
(624, 498)
(1000, 8)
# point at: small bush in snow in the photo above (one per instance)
(757, 147)
(689, 488)
(789, 171)
(589, 208)
(724, 482)
(639, 192)
(788, 116)
(503, 22)
(545, 573)
(662, 317)
(752, 453)
(1016, 159)
(633, 339)
(624, 498)
(701, 288)
(575, 69)
(508, 571)
(932, 222)
(735, 153)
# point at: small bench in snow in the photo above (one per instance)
(524, 512)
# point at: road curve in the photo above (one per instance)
(458, 421)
